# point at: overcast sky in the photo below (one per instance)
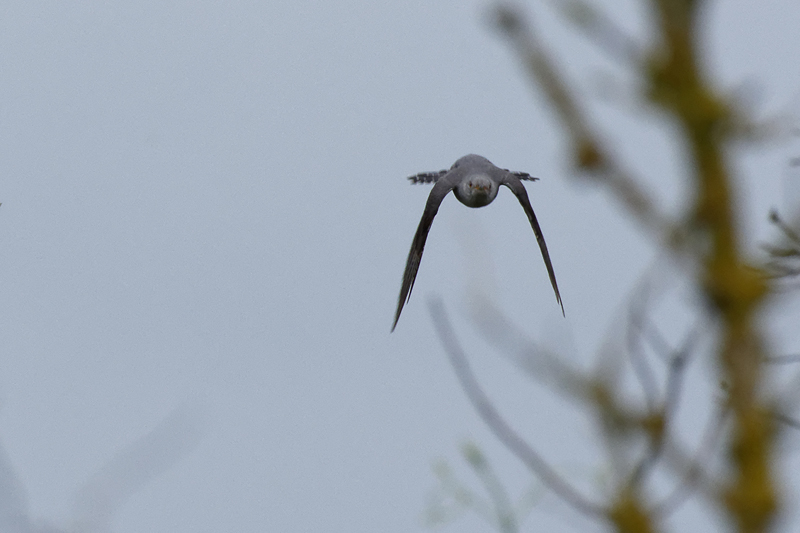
(205, 220)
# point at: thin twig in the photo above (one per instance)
(776, 219)
(641, 368)
(677, 371)
(658, 343)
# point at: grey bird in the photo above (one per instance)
(475, 182)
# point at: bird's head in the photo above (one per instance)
(476, 190)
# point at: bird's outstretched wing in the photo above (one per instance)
(516, 186)
(440, 189)
(522, 176)
(427, 177)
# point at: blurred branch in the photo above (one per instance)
(786, 401)
(783, 359)
(603, 31)
(695, 469)
(102, 496)
(601, 398)
(104, 493)
(788, 420)
(733, 289)
(506, 519)
(784, 261)
(595, 393)
(662, 418)
(502, 430)
(641, 367)
(589, 153)
(790, 233)
(453, 496)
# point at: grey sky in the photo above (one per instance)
(205, 203)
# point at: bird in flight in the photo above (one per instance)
(475, 181)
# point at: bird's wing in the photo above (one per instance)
(522, 176)
(440, 189)
(512, 182)
(427, 177)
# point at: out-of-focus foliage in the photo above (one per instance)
(706, 239)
